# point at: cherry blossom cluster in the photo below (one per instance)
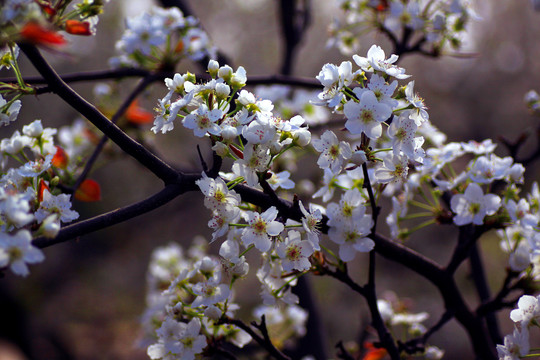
(432, 26)
(388, 147)
(387, 126)
(248, 132)
(35, 170)
(31, 200)
(471, 201)
(190, 303)
(243, 127)
(161, 38)
(371, 102)
(527, 315)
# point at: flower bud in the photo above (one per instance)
(222, 90)
(55, 181)
(359, 157)
(213, 68)
(50, 226)
(302, 137)
(77, 27)
(221, 149)
(225, 72)
(239, 78)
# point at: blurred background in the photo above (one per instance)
(84, 300)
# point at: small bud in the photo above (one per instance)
(221, 149)
(213, 68)
(302, 137)
(359, 157)
(222, 90)
(225, 73)
(55, 181)
(240, 269)
(51, 226)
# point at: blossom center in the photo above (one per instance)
(293, 252)
(260, 226)
(366, 116)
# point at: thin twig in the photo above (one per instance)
(263, 340)
(117, 115)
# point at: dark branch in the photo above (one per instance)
(263, 340)
(295, 20)
(117, 216)
(119, 113)
(127, 144)
(484, 293)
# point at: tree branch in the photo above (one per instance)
(117, 216)
(484, 293)
(295, 20)
(127, 144)
(263, 340)
(117, 115)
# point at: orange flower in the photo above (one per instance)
(179, 47)
(41, 189)
(77, 27)
(60, 158)
(138, 115)
(382, 6)
(48, 9)
(40, 35)
(88, 191)
(373, 353)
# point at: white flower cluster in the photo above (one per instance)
(387, 127)
(161, 36)
(438, 24)
(189, 296)
(29, 194)
(371, 102)
(527, 315)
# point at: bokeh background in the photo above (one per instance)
(84, 301)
